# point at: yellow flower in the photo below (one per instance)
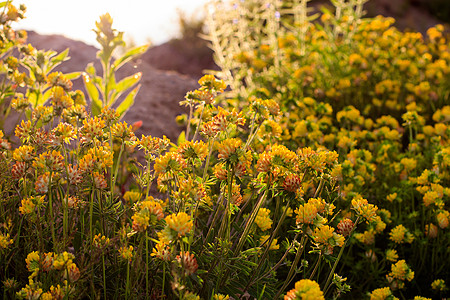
(65, 132)
(382, 294)
(431, 230)
(100, 241)
(24, 153)
(193, 150)
(439, 285)
(93, 128)
(220, 297)
(52, 161)
(400, 234)
(132, 197)
(161, 251)
(5, 241)
(126, 252)
(229, 148)
(263, 219)
(305, 289)
(325, 235)
(367, 237)
(63, 260)
(33, 261)
(391, 255)
(364, 209)
(123, 132)
(180, 223)
(153, 145)
(443, 218)
(273, 246)
(306, 213)
(401, 271)
(169, 162)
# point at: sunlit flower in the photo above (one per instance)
(100, 241)
(306, 213)
(364, 209)
(193, 150)
(169, 162)
(263, 219)
(59, 79)
(273, 246)
(126, 253)
(401, 271)
(64, 132)
(63, 260)
(431, 230)
(382, 294)
(325, 235)
(123, 132)
(161, 251)
(443, 218)
(178, 225)
(42, 183)
(345, 226)
(187, 262)
(33, 263)
(439, 285)
(132, 197)
(305, 289)
(391, 255)
(400, 234)
(5, 241)
(18, 170)
(52, 161)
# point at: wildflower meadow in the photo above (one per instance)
(314, 165)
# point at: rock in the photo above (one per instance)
(157, 103)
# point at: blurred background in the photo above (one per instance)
(159, 21)
(141, 20)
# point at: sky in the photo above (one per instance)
(141, 20)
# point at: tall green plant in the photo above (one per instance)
(105, 90)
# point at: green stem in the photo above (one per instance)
(127, 288)
(266, 251)
(199, 123)
(146, 264)
(250, 222)
(91, 213)
(291, 274)
(164, 280)
(104, 276)
(50, 207)
(113, 182)
(327, 284)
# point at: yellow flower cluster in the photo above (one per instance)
(305, 289)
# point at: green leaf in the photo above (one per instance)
(181, 138)
(73, 75)
(109, 90)
(58, 59)
(128, 82)
(90, 69)
(132, 53)
(127, 102)
(96, 104)
(45, 97)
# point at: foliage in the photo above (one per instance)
(316, 176)
(378, 97)
(105, 91)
